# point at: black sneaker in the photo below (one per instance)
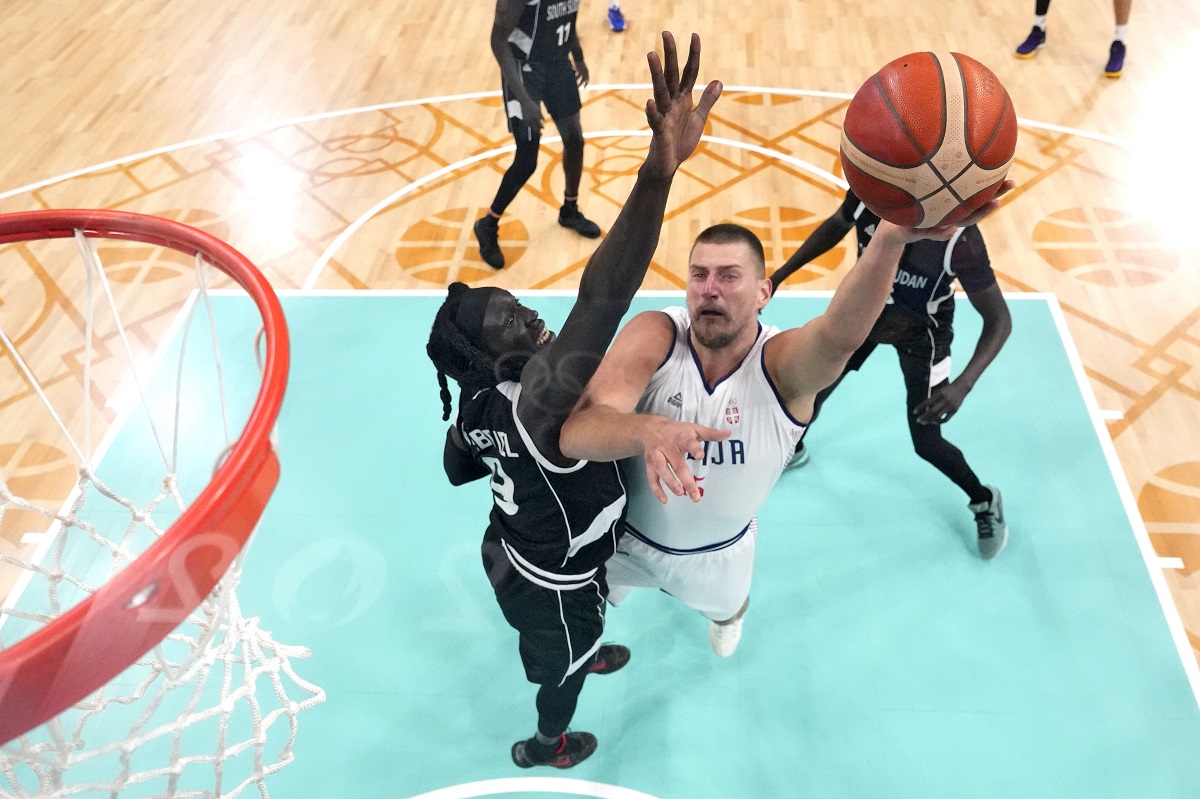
(574, 748)
(609, 658)
(989, 520)
(487, 232)
(572, 218)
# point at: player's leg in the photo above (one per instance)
(923, 370)
(716, 583)
(1116, 51)
(563, 105)
(554, 626)
(1037, 36)
(528, 139)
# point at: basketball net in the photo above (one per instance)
(211, 709)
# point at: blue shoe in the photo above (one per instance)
(616, 20)
(1116, 60)
(1034, 42)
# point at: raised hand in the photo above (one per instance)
(676, 124)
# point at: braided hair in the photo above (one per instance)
(456, 355)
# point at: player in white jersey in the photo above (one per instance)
(717, 363)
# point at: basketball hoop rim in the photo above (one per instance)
(74, 655)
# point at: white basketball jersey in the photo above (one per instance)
(736, 474)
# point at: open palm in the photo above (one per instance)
(676, 124)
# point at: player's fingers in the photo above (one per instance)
(712, 433)
(670, 63)
(709, 98)
(692, 68)
(653, 118)
(659, 473)
(1005, 188)
(659, 81)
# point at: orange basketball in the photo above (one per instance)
(928, 139)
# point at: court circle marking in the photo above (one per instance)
(509, 785)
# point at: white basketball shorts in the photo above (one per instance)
(714, 583)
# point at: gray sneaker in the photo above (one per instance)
(989, 519)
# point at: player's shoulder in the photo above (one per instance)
(655, 325)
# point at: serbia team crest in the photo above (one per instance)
(732, 415)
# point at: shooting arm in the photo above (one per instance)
(802, 361)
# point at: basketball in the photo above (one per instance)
(928, 139)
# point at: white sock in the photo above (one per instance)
(1040, 21)
(614, 4)
(1119, 33)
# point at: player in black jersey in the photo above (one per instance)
(554, 520)
(541, 61)
(918, 322)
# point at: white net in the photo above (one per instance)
(212, 710)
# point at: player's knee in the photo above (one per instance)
(525, 162)
(927, 441)
(572, 140)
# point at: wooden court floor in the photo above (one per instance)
(225, 116)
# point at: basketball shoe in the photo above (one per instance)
(1034, 42)
(616, 20)
(570, 217)
(487, 233)
(1116, 60)
(609, 658)
(989, 521)
(573, 748)
(724, 637)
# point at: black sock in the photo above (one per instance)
(569, 205)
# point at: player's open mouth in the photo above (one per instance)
(544, 336)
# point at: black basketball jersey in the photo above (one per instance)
(544, 30)
(554, 523)
(924, 284)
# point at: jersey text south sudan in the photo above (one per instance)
(545, 30)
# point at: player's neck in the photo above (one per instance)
(718, 364)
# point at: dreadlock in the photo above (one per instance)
(456, 356)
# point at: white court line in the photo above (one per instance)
(266, 127)
(1170, 563)
(509, 785)
(1174, 623)
(395, 196)
(1111, 416)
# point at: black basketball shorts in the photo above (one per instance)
(551, 83)
(559, 629)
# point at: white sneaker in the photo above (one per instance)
(724, 637)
